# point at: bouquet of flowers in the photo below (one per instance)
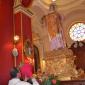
(50, 80)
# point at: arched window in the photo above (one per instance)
(77, 32)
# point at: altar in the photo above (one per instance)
(61, 63)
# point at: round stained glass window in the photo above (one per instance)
(77, 32)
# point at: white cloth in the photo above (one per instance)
(35, 81)
(13, 81)
(16, 81)
(23, 83)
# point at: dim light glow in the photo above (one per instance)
(53, 0)
(16, 38)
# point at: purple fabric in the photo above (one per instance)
(56, 42)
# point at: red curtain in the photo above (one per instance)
(6, 35)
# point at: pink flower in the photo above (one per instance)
(54, 81)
